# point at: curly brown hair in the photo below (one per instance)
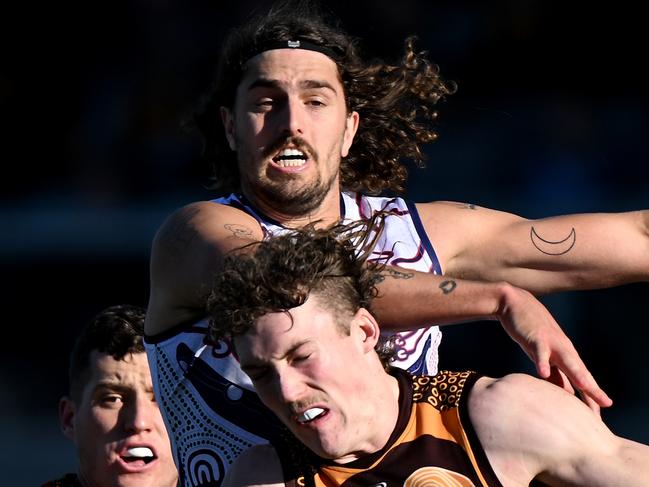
(396, 103)
(285, 270)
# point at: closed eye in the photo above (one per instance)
(301, 358)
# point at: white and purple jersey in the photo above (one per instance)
(210, 408)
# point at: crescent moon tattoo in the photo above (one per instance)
(550, 247)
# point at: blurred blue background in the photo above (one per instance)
(551, 117)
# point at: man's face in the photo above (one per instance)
(117, 427)
(314, 378)
(290, 128)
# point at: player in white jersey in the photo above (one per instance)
(296, 117)
(201, 386)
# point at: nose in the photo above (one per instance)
(290, 385)
(292, 117)
(139, 414)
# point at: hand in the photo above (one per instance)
(532, 326)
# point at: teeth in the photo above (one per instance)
(290, 158)
(310, 414)
(291, 162)
(140, 452)
(291, 152)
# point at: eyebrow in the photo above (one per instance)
(307, 84)
(258, 365)
(116, 387)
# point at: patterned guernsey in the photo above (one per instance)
(432, 444)
(209, 405)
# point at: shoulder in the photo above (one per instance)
(203, 216)
(196, 224)
(258, 466)
(527, 425)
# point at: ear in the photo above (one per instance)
(228, 122)
(368, 328)
(351, 126)
(67, 413)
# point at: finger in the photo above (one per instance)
(574, 368)
(560, 379)
(541, 358)
(591, 403)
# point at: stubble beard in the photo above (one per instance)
(287, 198)
(284, 193)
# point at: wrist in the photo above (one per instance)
(504, 296)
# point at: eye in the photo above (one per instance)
(315, 103)
(264, 104)
(111, 400)
(301, 358)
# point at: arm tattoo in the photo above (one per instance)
(550, 247)
(392, 272)
(448, 287)
(239, 231)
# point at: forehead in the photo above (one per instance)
(289, 66)
(274, 334)
(132, 371)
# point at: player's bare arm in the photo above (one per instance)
(186, 252)
(408, 299)
(530, 429)
(582, 251)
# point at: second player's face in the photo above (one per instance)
(117, 426)
(290, 129)
(312, 376)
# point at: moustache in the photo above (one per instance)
(297, 407)
(294, 141)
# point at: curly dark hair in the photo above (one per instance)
(396, 103)
(285, 270)
(115, 331)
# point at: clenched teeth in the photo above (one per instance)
(290, 158)
(310, 414)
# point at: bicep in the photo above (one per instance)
(186, 253)
(546, 255)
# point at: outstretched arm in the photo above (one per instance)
(189, 247)
(409, 299)
(530, 429)
(584, 251)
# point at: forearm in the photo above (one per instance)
(410, 299)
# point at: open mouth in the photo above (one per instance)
(311, 415)
(290, 158)
(140, 455)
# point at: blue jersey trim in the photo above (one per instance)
(419, 226)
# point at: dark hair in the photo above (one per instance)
(396, 103)
(115, 331)
(285, 270)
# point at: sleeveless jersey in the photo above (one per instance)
(433, 443)
(210, 408)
